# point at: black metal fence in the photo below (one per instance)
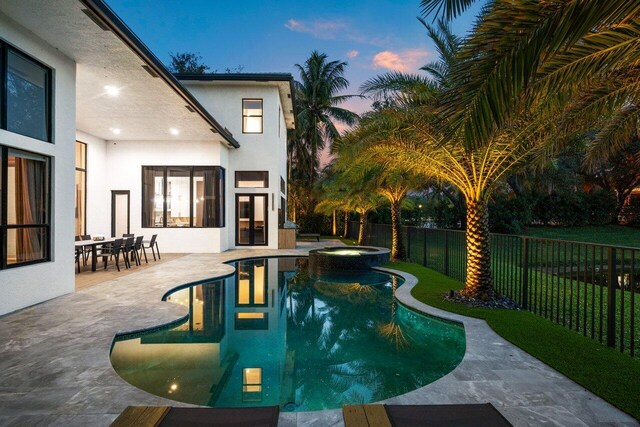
(586, 287)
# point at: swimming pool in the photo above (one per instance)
(272, 335)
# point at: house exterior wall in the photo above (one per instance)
(28, 285)
(124, 162)
(257, 152)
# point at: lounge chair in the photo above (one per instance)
(166, 416)
(475, 415)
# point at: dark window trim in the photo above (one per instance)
(4, 227)
(5, 48)
(266, 178)
(86, 173)
(164, 192)
(261, 116)
(115, 193)
(266, 218)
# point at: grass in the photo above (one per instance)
(616, 235)
(604, 371)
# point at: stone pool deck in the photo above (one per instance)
(55, 368)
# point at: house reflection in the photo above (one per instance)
(231, 351)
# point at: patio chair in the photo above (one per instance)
(87, 250)
(112, 251)
(127, 248)
(138, 248)
(151, 244)
(78, 256)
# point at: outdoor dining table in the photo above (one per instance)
(93, 244)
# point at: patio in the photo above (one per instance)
(56, 370)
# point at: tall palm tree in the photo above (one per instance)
(318, 96)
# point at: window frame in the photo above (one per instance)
(265, 179)
(4, 70)
(84, 189)
(5, 227)
(165, 177)
(261, 116)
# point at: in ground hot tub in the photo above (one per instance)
(354, 259)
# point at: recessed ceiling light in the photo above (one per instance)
(112, 90)
(174, 131)
(116, 131)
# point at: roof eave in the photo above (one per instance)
(124, 33)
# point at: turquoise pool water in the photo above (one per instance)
(271, 335)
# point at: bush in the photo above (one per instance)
(509, 214)
(574, 209)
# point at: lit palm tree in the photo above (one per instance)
(391, 182)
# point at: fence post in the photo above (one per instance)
(611, 297)
(424, 247)
(446, 253)
(525, 272)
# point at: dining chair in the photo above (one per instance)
(112, 251)
(127, 247)
(151, 244)
(137, 249)
(86, 252)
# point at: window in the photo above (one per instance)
(251, 284)
(26, 98)
(183, 196)
(283, 186)
(282, 212)
(81, 188)
(252, 179)
(252, 384)
(252, 116)
(24, 220)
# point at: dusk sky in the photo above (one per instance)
(272, 36)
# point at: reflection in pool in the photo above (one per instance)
(271, 335)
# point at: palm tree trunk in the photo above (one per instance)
(334, 224)
(345, 234)
(479, 282)
(397, 244)
(363, 226)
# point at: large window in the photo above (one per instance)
(24, 217)
(26, 94)
(252, 179)
(81, 188)
(252, 116)
(182, 196)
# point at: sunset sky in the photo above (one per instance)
(272, 36)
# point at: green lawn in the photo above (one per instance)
(606, 234)
(605, 371)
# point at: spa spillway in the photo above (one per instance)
(346, 259)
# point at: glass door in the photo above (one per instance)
(251, 219)
(120, 208)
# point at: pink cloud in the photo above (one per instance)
(352, 54)
(321, 29)
(403, 61)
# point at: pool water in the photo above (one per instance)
(271, 335)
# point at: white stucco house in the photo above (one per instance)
(97, 137)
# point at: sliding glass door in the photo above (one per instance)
(251, 219)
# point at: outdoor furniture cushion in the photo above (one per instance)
(266, 416)
(164, 416)
(475, 415)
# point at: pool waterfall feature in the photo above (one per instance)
(273, 334)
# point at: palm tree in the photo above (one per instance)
(551, 53)
(391, 182)
(318, 96)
